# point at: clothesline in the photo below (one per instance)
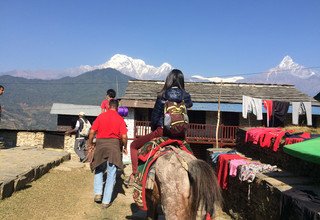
(276, 110)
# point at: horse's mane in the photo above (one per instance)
(204, 189)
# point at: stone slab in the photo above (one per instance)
(21, 165)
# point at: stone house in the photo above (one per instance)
(140, 97)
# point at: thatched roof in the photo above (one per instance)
(142, 93)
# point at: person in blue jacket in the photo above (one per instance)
(173, 90)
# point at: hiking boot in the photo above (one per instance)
(129, 181)
(105, 206)
(84, 160)
(98, 198)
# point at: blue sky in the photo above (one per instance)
(206, 37)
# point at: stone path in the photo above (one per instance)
(21, 165)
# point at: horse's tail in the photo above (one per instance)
(204, 189)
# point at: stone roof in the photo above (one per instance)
(142, 93)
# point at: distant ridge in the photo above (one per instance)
(27, 102)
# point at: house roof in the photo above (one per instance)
(71, 109)
(142, 93)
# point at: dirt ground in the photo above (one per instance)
(66, 192)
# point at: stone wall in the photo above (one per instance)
(30, 139)
(40, 139)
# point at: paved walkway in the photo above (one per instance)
(21, 165)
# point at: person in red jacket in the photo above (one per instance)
(111, 138)
(111, 94)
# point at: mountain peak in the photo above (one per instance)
(287, 66)
(286, 62)
(136, 68)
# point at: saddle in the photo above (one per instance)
(147, 155)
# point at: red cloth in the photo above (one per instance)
(109, 125)
(105, 104)
(253, 135)
(305, 135)
(256, 135)
(223, 168)
(293, 140)
(138, 143)
(268, 106)
(301, 137)
(269, 134)
(276, 143)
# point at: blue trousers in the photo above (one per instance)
(110, 181)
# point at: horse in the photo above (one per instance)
(184, 186)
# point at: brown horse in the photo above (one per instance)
(185, 187)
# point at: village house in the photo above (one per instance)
(208, 98)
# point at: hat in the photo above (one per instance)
(82, 113)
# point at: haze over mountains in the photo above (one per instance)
(135, 68)
(29, 95)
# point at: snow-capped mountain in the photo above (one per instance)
(289, 72)
(136, 68)
(288, 66)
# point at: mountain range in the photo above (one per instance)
(287, 72)
(28, 98)
(307, 80)
(135, 68)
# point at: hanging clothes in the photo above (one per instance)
(268, 106)
(301, 108)
(279, 112)
(251, 105)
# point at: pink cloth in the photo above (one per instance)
(233, 164)
(223, 168)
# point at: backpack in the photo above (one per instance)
(175, 119)
(84, 132)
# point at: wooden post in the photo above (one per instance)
(218, 120)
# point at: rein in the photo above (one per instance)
(145, 165)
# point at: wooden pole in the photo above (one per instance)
(218, 117)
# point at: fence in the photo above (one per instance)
(197, 133)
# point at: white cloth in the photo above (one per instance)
(301, 108)
(77, 125)
(251, 105)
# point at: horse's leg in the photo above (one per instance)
(152, 199)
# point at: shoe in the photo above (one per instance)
(98, 198)
(129, 180)
(105, 206)
(84, 160)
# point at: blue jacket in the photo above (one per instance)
(172, 94)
